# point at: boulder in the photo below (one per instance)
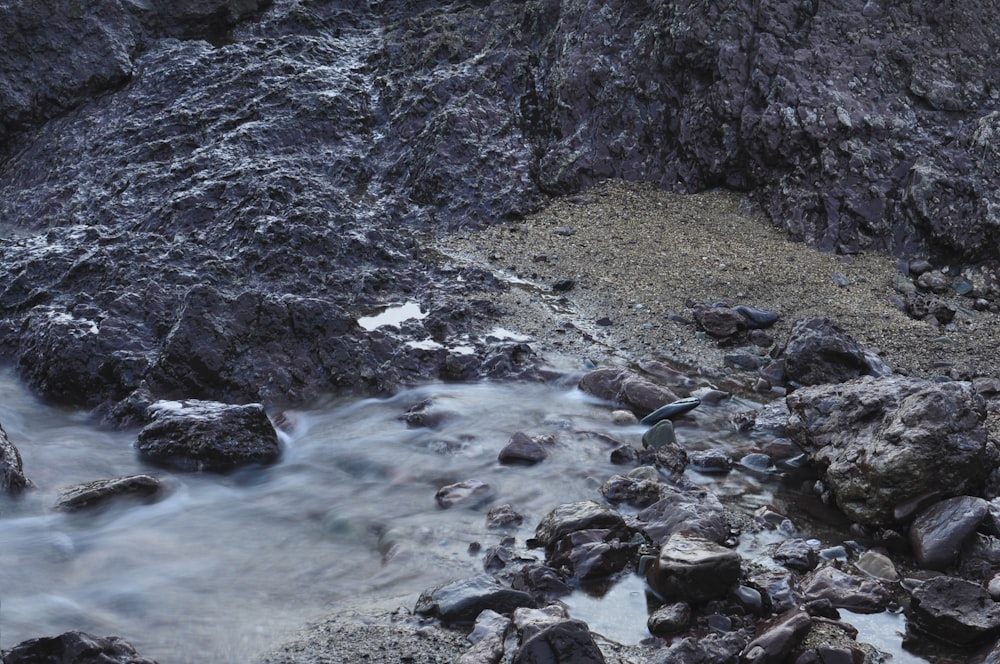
(884, 444)
(207, 435)
(589, 555)
(626, 387)
(101, 492)
(692, 510)
(565, 642)
(461, 602)
(819, 351)
(845, 591)
(12, 479)
(711, 648)
(523, 449)
(571, 517)
(670, 619)
(938, 533)
(75, 648)
(955, 610)
(693, 569)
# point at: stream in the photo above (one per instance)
(225, 566)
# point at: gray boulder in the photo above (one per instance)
(819, 351)
(207, 435)
(885, 444)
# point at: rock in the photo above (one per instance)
(980, 557)
(12, 479)
(631, 490)
(626, 387)
(671, 410)
(503, 516)
(711, 462)
(530, 622)
(541, 581)
(75, 648)
(566, 642)
(720, 322)
(469, 492)
(694, 510)
(938, 533)
(883, 443)
(955, 610)
(101, 492)
(461, 602)
(709, 649)
(487, 639)
(780, 587)
(590, 555)
(796, 554)
(845, 591)
(778, 638)
(878, 566)
(670, 619)
(819, 351)
(755, 317)
(660, 435)
(694, 569)
(624, 417)
(523, 449)
(571, 517)
(205, 435)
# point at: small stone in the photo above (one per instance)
(711, 462)
(955, 610)
(845, 591)
(660, 435)
(101, 492)
(503, 516)
(522, 449)
(878, 566)
(796, 554)
(671, 410)
(469, 491)
(563, 285)
(624, 417)
(669, 619)
(938, 532)
(757, 318)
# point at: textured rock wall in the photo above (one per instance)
(152, 153)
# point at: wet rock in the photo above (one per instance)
(693, 569)
(955, 610)
(530, 622)
(845, 591)
(938, 533)
(778, 638)
(205, 435)
(626, 387)
(571, 517)
(780, 587)
(542, 582)
(75, 648)
(692, 510)
(711, 462)
(670, 619)
(460, 602)
(883, 443)
(878, 566)
(12, 479)
(819, 351)
(468, 492)
(624, 417)
(631, 490)
(589, 555)
(487, 639)
(711, 648)
(980, 557)
(101, 492)
(565, 642)
(503, 516)
(796, 554)
(523, 449)
(660, 435)
(671, 410)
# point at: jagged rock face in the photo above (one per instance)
(296, 148)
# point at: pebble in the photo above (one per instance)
(671, 410)
(660, 435)
(624, 417)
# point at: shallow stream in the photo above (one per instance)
(227, 565)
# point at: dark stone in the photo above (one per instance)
(74, 648)
(522, 449)
(626, 387)
(542, 582)
(571, 517)
(796, 554)
(722, 323)
(635, 491)
(204, 435)
(469, 492)
(670, 619)
(778, 638)
(694, 510)
(980, 558)
(12, 479)
(884, 443)
(565, 642)
(101, 492)
(757, 318)
(589, 555)
(955, 610)
(708, 649)
(461, 601)
(845, 591)
(819, 351)
(938, 533)
(693, 569)
(711, 462)
(503, 516)
(671, 410)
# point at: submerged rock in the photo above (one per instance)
(12, 479)
(206, 435)
(883, 443)
(101, 492)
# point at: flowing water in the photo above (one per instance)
(226, 565)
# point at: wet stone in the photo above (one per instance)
(796, 554)
(711, 462)
(75, 648)
(980, 557)
(503, 516)
(101, 492)
(938, 532)
(208, 435)
(469, 492)
(589, 555)
(694, 569)
(566, 641)
(955, 610)
(669, 619)
(778, 638)
(523, 449)
(487, 639)
(878, 566)
(671, 410)
(570, 517)
(691, 510)
(845, 591)
(12, 479)
(462, 601)
(712, 648)
(633, 491)
(626, 387)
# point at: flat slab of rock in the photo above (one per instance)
(845, 591)
(694, 569)
(938, 533)
(462, 601)
(693, 510)
(626, 387)
(101, 492)
(12, 479)
(955, 610)
(885, 443)
(208, 435)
